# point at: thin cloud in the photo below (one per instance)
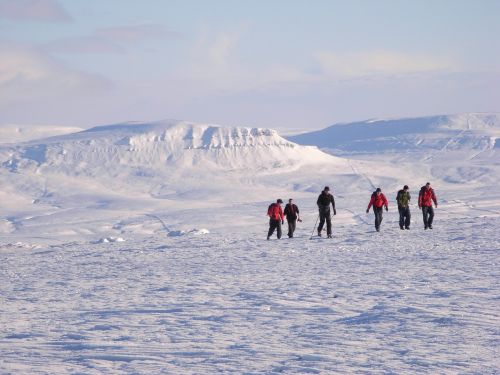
(27, 74)
(215, 52)
(214, 65)
(378, 63)
(112, 40)
(33, 10)
(220, 51)
(84, 45)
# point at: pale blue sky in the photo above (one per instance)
(281, 64)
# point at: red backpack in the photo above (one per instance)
(273, 211)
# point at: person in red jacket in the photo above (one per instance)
(276, 218)
(425, 199)
(378, 201)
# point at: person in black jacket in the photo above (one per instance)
(292, 215)
(323, 202)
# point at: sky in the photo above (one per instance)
(294, 64)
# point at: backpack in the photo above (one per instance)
(399, 199)
(273, 211)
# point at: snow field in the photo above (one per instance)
(392, 302)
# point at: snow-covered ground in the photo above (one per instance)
(140, 248)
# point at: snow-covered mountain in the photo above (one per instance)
(456, 149)
(473, 132)
(162, 159)
(169, 144)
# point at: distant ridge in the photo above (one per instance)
(12, 133)
(474, 131)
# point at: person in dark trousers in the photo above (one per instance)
(276, 218)
(292, 215)
(425, 199)
(378, 200)
(323, 202)
(403, 199)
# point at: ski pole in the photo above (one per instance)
(314, 227)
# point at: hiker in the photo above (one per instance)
(425, 199)
(292, 216)
(276, 218)
(403, 199)
(323, 202)
(378, 200)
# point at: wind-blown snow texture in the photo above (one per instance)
(140, 248)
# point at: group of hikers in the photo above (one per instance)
(378, 200)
